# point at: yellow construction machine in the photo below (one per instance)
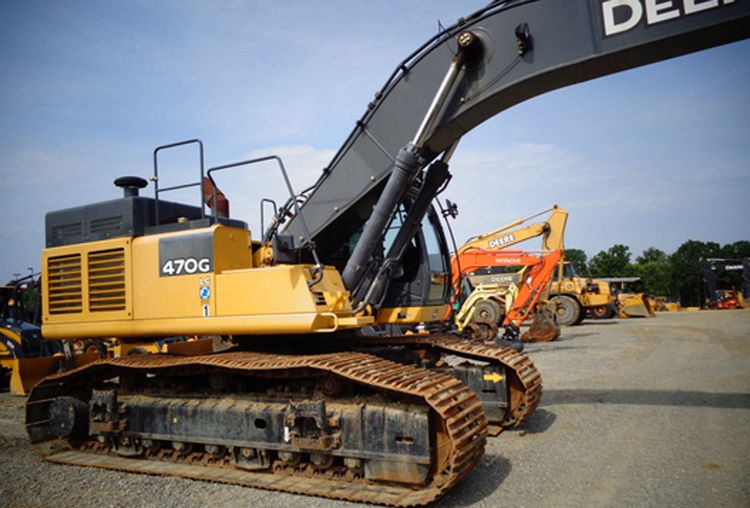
(577, 297)
(497, 286)
(663, 304)
(630, 302)
(25, 357)
(308, 399)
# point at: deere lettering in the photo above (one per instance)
(499, 242)
(622, 15)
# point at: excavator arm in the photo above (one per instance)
(481, 250)
(532, 288)
(491, 250)
(505, 53)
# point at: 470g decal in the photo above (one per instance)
(185, 266)
(189, 254)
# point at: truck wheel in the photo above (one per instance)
(603, 312)
(568, 310)
(487, 311)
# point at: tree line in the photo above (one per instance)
(676, 276)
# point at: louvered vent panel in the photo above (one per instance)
(64, 284)
(106, 280)
(106, 225)
(64, 231)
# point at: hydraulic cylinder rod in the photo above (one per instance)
(406, 168)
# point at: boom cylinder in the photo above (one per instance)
(406, 166)
(434, 178)
(405, 169)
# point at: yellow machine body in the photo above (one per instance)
(576, 286)
(634, 305)
(190, 282)
(23, 373)
(408, 315)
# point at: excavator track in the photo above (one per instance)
(524, 380)
(459, 422)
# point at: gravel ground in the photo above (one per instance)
(649, 412)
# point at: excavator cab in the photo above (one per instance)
(420, 288)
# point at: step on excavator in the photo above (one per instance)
(301, 401)
(491, 289)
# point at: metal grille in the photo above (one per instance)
(65, 231)
(106, 271)
(64, 284)
(107, 224)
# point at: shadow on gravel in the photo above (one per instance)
(542, 349)
(648, 398)
(539, 421)
(492, 470)
(573, 336)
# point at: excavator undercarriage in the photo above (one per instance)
(351, 425)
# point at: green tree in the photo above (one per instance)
(578, 259)
(736, 250)
(651, 255)
(654, 269)
(615, 262)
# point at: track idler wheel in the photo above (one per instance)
(68, 417)
(483, 326)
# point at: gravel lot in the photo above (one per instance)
(649, 412)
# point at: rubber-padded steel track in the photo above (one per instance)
(524, 379)
(461, 422)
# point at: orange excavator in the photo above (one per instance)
(487, 294)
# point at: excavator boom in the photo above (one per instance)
(528, 47)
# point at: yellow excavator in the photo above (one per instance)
(490, 296)
(304, 398)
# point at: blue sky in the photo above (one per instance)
(649, 157)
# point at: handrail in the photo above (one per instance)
(316, 271)
(155, 178)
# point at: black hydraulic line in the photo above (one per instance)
(405, 169)
(406, 166)
(530, 47)
(434, 178)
